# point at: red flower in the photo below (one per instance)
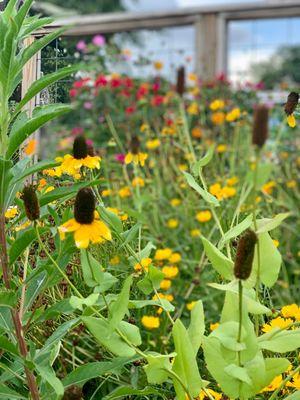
(125, 93)
(100, 81)
(73, 92)
(157, 100)
(128, 82)
(81, 83)
(142, 92)
(115, 82)
(130, 110)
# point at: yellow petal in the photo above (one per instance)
(82, 236)
(69, 226)
(128, 158)
(291, 120)
(100, 232)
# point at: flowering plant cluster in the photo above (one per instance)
(151, 271)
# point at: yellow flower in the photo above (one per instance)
(295, 382)
(172, 223)
(193, 108)
(175, 258)
(168, 297)
(277, 323)
(216, 190)
(158, 65)
(291, 311)
(150, 322)
(144, 127)
(276, 242)
(22, 226)
(96, 232)
(276, 382)
(195, 232)
(212, 326)
(106, 193)
(138, 182)
(138, 158)
(192, 77)
(71, 165)
(217, 105)
(291, 184)
(291, 120)
(162, 254)
(217, 118)
(123, 217)
(152, 144)
(170, 272)
(232, 181)
(125, 192)
(143, 264)
(197, 132)
(53, 172)
(165, 284)
(183, 167)
(191, 305)
(49, 189)
(175, 202)
(204, 216)
(42, 184)
(233, 115)
(30, 147)
(115, 260)
(213, 394)
(268, 187)
(228, 192)
(221, 148)
(11, 212)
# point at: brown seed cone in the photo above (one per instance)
(31, 202)
(80, 148)
(135, 145)
(180, 86)
(291, 104)
(260, 125)
(84, 207)
(244, 255)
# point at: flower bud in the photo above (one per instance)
(31, 202)
(244, 255)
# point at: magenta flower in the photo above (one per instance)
(98, 40)
(88, 105)
(81, 45)
(120, 157)
(77, 131)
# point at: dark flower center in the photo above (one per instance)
(31, 203)
(85, 205)
(80, 148)
(135, 145)
(244, 255)
(292, 102)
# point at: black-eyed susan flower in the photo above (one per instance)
(71, 164)
(138, 181)
(290, 107)
(150, 322)
(124, 192)
(86, 224)
(153, 144)
(278, 322)
(165, 284)
(134, 155)
(214, 395)
(175, 258)
(291, 311)
(191, 305)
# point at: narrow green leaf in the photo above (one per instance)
(47, 373)
(120, 307)
(209, 198)
(197, 326)
(236, 230)
(8, 394)
(268, 224)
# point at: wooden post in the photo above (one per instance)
(31, 72)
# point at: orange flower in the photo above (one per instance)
(30, 147)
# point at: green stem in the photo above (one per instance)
(283, 383)
(239, 338)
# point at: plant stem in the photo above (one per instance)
(240, 318)
(283, 383)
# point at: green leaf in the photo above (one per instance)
(78, 303)
(185, 365)
(197, 326)
(47, 374)
(111, 219)
(41, 84)
(151, 280)
(263, 175)
(41, 115)
(222, 264)
(236, 230)
(162, 303)
(128, 392)
(144, 253)
(158, 367)
(100, 329)
(91, 269)
(6, 345)
(281, 341)
(239, 373)
(120, 307)
(7, 393)
(293, 396)
(8, 298)
(273, 368)
(34, 169)
(209, 198)
(204, 160)
(268, 224)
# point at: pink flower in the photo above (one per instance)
(88, 105)
(81, 45)
(89, 142)
(98, 40)
(120, 157)
(77, 131)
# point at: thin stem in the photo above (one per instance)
(283, 383)
(239, 338)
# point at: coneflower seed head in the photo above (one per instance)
(135, 145)
(244, 255)
(291, 104)
(80, 148)
(260, 125)
(180, 87)
(84, 207)
(31, 202)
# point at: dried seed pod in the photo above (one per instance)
(244, 255)
(135, 145)
(84, 208)
(180, 86)
(80, 148)
(260, 125)
(31, 202)
(291, 104)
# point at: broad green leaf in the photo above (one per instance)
(158, 367)
(209, 198)
(236, 230)
(151, 280)
(130, 235)
(274, 367)
(9, 394)
(144, 253)
(111, 219)
(78, 303)
(263, 175)
(34, 169)
(120, 307)
(239, 373)
(185, 365)
(8, 346)
(100, 329)
(268, 224)
(8, 298)
(227, 334)
(91, 269)
(47, 373)
(127, 392)
(41, 115)
(162, 303)
(197, 326)
(281, 341)
(6, 177)
(222, 264)
(204, 160)
(293, 396)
